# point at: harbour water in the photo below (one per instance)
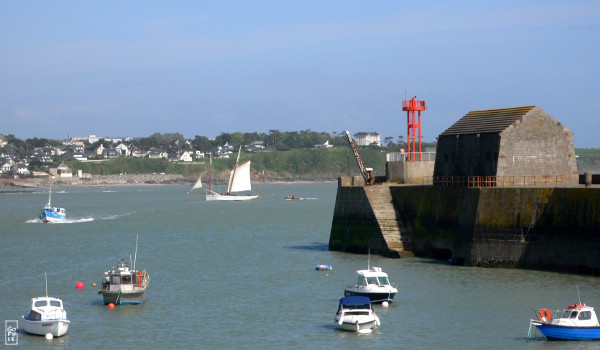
(242, 275)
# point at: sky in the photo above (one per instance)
(134, 68)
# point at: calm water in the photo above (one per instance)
(241, 275)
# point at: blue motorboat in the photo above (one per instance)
(52, 214)
(576, 322)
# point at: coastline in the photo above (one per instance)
(24, 184)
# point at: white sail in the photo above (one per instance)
(198, 184)
(240, 178)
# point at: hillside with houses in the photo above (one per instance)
(83, 156)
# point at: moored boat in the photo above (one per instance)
(356, 314)
(46, 316)
(576, 322)
(374, 284)
(122, 285)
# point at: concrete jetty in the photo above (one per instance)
(546, 228)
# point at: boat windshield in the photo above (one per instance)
(362, 281)
(55, 303)
(41, 303)
(384, 281)
(372, 280)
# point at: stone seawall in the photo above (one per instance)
(539, 228)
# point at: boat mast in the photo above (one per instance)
(46, 278)
(135, 256)
(233, 173)
(210, 173)
(50, 195)
(260, 183)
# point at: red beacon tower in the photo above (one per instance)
(411, 106)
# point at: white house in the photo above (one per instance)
(123, 150)
(367, 138)
(99, 150)
(5, 169)
(185, 157)
(324, 145)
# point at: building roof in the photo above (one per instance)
(487, 121)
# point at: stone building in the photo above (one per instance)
(520, 146)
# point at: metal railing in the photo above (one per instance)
(501, 181)
(402, 157)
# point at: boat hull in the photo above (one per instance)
(57, 328)
(52, 218)
(124, 298)
(375, 297)
(556, 332)
(220, 197)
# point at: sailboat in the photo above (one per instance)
(239, 181)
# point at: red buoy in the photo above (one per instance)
(111, 305)
(79, 285)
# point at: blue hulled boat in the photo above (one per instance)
(52, 214)
(576, 322)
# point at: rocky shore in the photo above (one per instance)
(12, 184)
(96, 180)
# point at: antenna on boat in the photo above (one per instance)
(46, 278)
(578, 297)
(369, 260)
(135, 256)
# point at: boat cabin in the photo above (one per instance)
(576, 315)
(46, 308)
(122, 276)
(372, 276)
(56, 210)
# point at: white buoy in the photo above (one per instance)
(49, 336)
(385, 304)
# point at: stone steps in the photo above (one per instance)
(392, 227)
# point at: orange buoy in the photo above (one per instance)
(111, 305)
(79, 285)
(545, 314)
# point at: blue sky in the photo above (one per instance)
(129, 68)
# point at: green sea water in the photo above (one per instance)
(228, 275)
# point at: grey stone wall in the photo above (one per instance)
(537, 145)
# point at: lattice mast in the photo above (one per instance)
(411, 106)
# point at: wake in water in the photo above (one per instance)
(67, 221)
(74, 221)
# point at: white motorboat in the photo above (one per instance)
(355, 314)
(374, 284)
(47, 315)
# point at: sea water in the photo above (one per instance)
(242, 275)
